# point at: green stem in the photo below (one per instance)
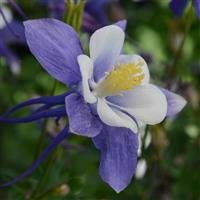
(44, 194)
(69, 12)
(143, 140)
(52, 92)
(174, 67)
(42, 135)
(45, 175)
(74, 13)
(80, 8)
(41, 138)
(58, 152)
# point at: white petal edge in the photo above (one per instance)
(106, 40)
(146, 103)
(86, 68)
(124, 59)
(114, 118)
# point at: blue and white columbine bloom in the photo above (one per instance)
(110, 98)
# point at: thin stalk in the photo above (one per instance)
(41, 138)
(74, 13)
(69, 12)
(173, 70)
(45, 175)
(57, 153)
(80, 16)
(44, 194)
(143, 140)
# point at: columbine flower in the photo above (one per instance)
(112, 97)
(11, 32)
(94, 15)
(178, 7)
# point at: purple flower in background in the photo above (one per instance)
(178, 7)
(11, 32)
(110, 97)
(56, 7)
(94, 15)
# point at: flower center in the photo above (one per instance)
(123, 77)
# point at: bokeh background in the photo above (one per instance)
(171, 46)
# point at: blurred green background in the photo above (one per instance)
(173, 157)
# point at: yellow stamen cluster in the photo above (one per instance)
(123, 77)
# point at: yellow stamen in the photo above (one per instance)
(123, 77)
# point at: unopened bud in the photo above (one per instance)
(62, 190)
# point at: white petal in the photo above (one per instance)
(141, 169)
(105, 46)
(148, 138)
(8, 16)
(86, 68)
(124, 59)
(146, 103)
(139, 151)
(115, 117)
